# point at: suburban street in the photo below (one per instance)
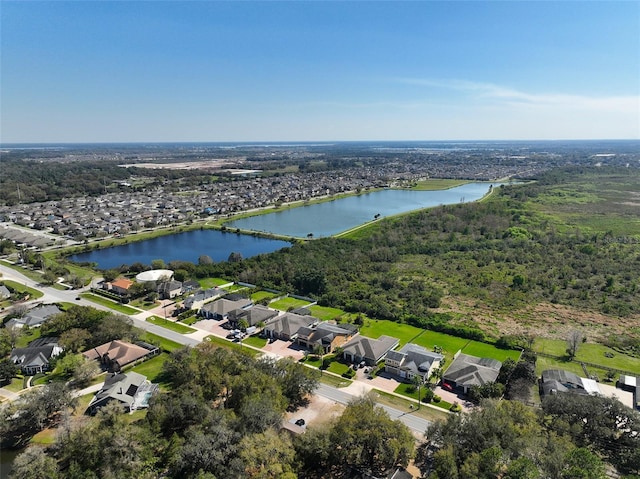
(341, 396)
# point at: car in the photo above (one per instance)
(300, 422)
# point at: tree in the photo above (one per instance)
(266, 455)
(158, 264)
(8, 370)
(204, 260)
(367, 438)
(573, 343)
(235, 257)
(34, 463)
(75, 339)
(110, 275)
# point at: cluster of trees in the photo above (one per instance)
(222, 418)
(573, 437)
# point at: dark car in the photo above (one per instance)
(300, 422)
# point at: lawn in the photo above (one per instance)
(213, 282)
(21, 288)
(143, 304)
(29, 273)
(592, 353)
(426, 412)
(255, 341)
(335, 381)
(173, 326)
(324, 313)
(285, 304)
(164, 344)
(337, 367)
(27, 336)
(484, 350)
(260, 295)
(223, 343)
(375, 328)
(15, 385)
(449, 344)
(109, 303)
(152, 369)
(544, 363)
(45, 437)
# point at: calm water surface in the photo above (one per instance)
(333, 217)
(319, 220)
(186, 246)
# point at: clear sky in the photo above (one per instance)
(313, 71)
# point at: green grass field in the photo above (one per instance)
(121, 308)
(213, 282)
(484, 350)
(325, 313)
(426, 412)
(255, 341)
(165, 323)
(285, 304)
(592, 353)
(449, 344)
(21, 288)
(375, 328)
(437, 184)
(335, 381)
(223, 343)
(152, 369)
(27, 336)
(260, 295)
(337, 367)
(164, 344)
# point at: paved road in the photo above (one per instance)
(414, 423)
(52, 295)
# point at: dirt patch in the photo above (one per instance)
(546, 320)
(320, 410)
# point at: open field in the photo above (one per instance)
(260, 295)
(591, 353)
(213, 282)
(109, 303)
(377, 327)
(433, 184)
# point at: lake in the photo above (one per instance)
(319, 219)
(187, 246)
(333, 217)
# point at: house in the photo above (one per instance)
(466, 371)
(132, 390)
(327, 335)
(36, 356)
(253, 316)
(115, 355)
(120, 286)
(369, 350)
(4, 292)
(287, 326)
(200, 298)
(631, 384)
(36, 316)
(221, 308)
(169, 289)
(559, 381)
(411, 361)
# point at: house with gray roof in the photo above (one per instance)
(253, 315)
(35, 317)
(411, 361)
(200, 298)
(466, 371)
(555, 381)
(221, 308)
(287, 326)
(327, 335)
(4, 292)
(132, 390)
(369, 350)
(169, 289)
(35, 358)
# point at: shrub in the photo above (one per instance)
(436, 398)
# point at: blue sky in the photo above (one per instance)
(308, 71)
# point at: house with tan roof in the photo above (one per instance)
(119, 286)
(115, 355)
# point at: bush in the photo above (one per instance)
(349, 373)
(455, 407)
(436, 398)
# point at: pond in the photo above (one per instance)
(318, 220)
(332, 217)
(187, 246)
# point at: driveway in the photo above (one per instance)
(284, 349)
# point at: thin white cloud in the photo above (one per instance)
(510, 96)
